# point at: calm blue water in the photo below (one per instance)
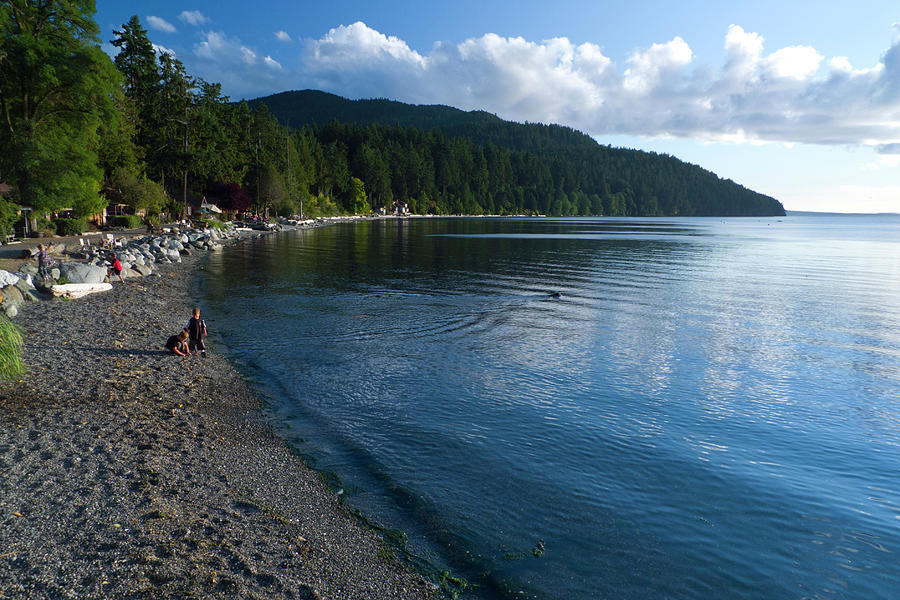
(711, 409)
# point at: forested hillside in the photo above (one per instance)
(530, 167)
(140, 132)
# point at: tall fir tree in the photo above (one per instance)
(56, 88)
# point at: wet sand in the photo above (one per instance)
(126, 472)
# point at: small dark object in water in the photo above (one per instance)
(555, 294)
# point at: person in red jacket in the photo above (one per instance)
(117, 267)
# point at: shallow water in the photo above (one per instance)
(710, 409)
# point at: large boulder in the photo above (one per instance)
(142, 270)
(82, 273)
(7, 278)
(12, 296)
(24, 286)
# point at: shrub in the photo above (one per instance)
(68, 227)
(124, 221)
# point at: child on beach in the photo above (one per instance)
(117, 267)
(43, 259)
(177, 344)
(197, 330)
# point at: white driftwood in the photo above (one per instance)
(77, 290)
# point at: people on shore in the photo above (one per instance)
(197, 331)
(116, 267)
(43, 260)
(178, 344)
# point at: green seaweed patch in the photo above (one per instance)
(448, 585)
(514, 556)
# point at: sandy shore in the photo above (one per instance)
(126, 472)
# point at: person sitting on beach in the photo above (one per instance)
(197, 329)
(177, 344)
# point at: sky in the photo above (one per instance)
(797, 100)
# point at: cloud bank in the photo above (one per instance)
(791, 94)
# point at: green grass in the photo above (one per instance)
(11, 341)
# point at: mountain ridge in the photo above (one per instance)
(648, 184)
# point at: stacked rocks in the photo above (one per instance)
(17, 287)
(138, 258)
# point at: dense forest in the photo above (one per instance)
(82, 131)
(474, 162)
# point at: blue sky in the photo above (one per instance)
(799, 100)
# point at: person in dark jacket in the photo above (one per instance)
(177, 344)
(197, 331)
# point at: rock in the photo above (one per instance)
(55, 273)
(28, 278)
(143, 270)
(82, 273)
(7, 278)
(28, 269)
(11, 311)
(23, 286)
(12, 296)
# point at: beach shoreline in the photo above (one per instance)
(129, 472)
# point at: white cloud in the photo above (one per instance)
(194, 17)
(272, 63)
(795, 62)
(160, 24)
(649, 68)
(792, 94)
(282, 36)
(755, 97)
(162, 50)
(238, 67)
(248, 55)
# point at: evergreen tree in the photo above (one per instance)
(56, 88)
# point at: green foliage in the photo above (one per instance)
(321, 206)
(11, 341)
(473, 162)
(358, 203)
(9, 214)
(49, 147)
(71, 227)
(124, 221)
(139, 193)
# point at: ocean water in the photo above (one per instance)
(709, 409)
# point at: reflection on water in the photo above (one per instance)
(708, 409)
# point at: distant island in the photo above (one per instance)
(443, 160)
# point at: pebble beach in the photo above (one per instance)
(127, 472)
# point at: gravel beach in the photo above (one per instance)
(127, 472)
